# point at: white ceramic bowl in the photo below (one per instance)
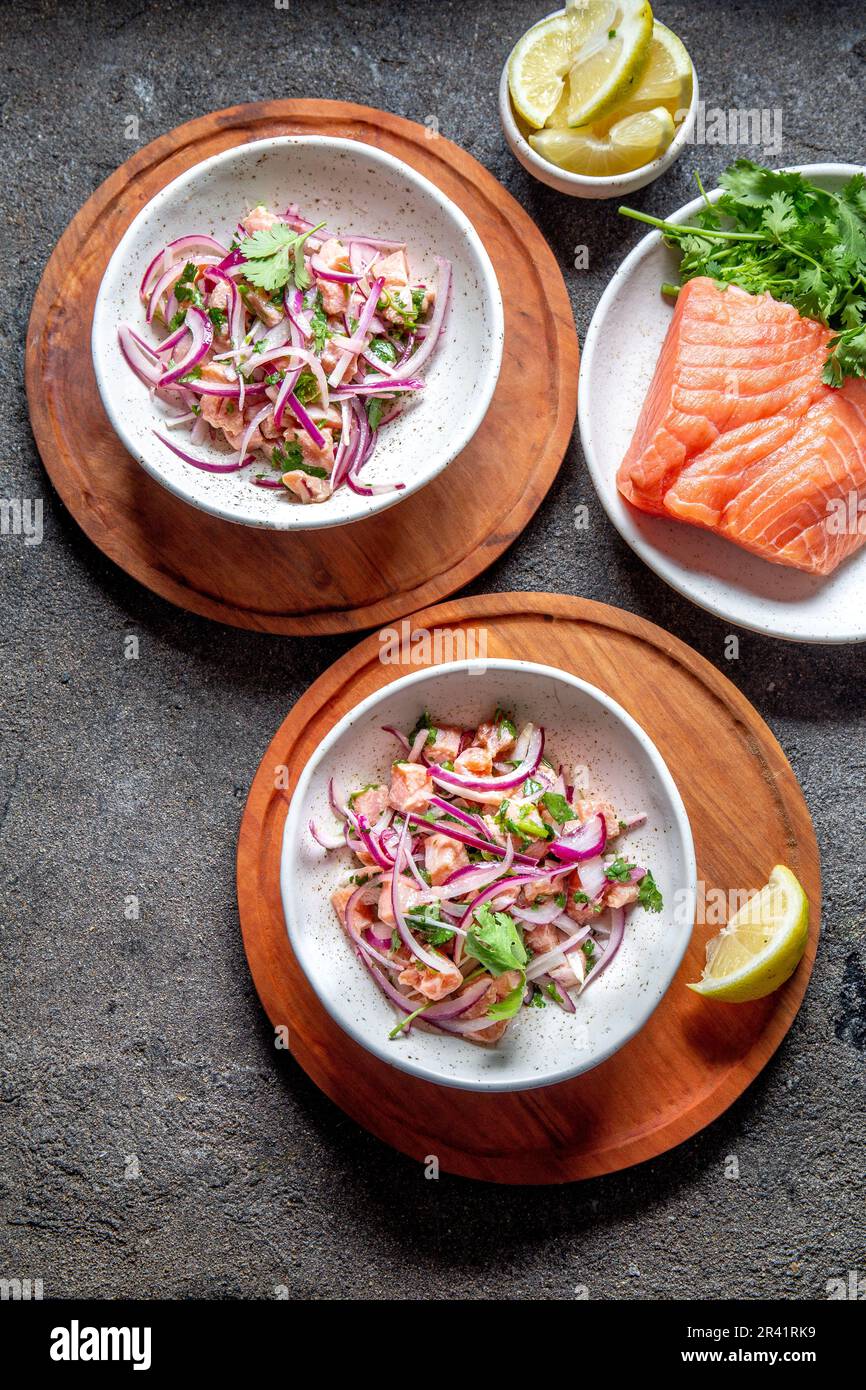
(354, 187)
(617, 365)
(583, 725)
(590, 185)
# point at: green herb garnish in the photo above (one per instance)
(558, 807)
(495, 941)
(619, 871)
(648, 894)
(778, 232)
(276, 256)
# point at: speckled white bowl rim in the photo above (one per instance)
(190, 484)
(296, 825)
(589, 185)
(710, 571)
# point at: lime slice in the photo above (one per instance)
(540, 61)
(537, 69)
(666, 79)
(629, 144)
(761, 946)
(609, 64)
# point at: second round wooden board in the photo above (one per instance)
(693, 1058)
(346, 578)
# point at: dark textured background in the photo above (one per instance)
(146, 1038)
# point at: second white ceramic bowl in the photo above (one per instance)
(583, 725)
(354, 188)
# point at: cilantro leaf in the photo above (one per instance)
(648, 894)
(289, 459)
(319, 325)
(375, 411)
(507, 1007)
(558, 807)
(619, 871)
(495, 941)
(274, 256)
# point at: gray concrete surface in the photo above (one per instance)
(145, 1038)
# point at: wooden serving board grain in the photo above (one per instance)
(350, 577)
(693, 1058)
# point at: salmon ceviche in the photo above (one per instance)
(488, 879)
(290, 348)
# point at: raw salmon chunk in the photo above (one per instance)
(740, 435)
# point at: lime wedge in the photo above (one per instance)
(609, 64)
(761, 946)
(629, 144)
(666, 79)
(537, 69)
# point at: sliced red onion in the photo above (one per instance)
(305, 422)
(460, 782)
(538, 916)
(540, 964)
(356, 929)
(131, 349)
(345, 449)
(228, 392)
(251, 427)
(473, 877)
(324, 272)
(236, 304)
(562, 996)
(516, 881)
(617, 932)
(455, 1005)
(201, 332)
(433, 962)
(293, 300)
(586, 843)
(631, 822)
(179, 248)
(325, 840)
(337, 799)
(204, 464)
(592, 877)
(379, 386)
(360, 332)
(466, 817)
(458, 833)
(371, 843)
(377, 938)
(436, 324)
(401, 738)
(464, 1028)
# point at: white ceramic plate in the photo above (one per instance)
(583, 725)
(619, 359)
(354, 188)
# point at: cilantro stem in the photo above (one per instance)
(404, 1022)
(674, 229)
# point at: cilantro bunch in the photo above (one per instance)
(779, 232)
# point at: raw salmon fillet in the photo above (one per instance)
(740, 435)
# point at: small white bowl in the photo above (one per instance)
(590, 185)
(583, 725)
(354, 188)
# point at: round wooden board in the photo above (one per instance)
(350, 577)
(693, 1058)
